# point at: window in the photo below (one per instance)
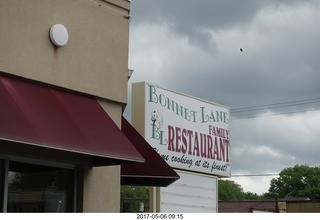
(37, 188)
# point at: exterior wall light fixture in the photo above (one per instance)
(59, 35)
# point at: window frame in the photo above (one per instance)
(7, 158)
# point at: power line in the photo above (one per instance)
(244, 175)
(276, 105)
(269, 107)
(275, 174)
(284, 113)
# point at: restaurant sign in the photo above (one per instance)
(188, 133)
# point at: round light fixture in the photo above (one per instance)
(59, 35)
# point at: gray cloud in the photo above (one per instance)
(193, 47)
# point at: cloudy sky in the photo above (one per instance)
(272, 87)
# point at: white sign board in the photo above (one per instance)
(189, 133)
(192, 193)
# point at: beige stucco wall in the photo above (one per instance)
(101, 189)
(94, 61)
(102, 184)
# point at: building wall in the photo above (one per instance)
(94, 61)
(301, 207)
(282, 206)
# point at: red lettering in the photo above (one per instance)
(218, 132)
(196, 145)
(216, 149)
(209, 143)
(190, 134)
(210, 129)
(222, 155)
(203, 145)
(227, 149)
(171, 138)
(178, 138)
(184, 141)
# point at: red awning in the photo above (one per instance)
(55, 119)
(154, 172)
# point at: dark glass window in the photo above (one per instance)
(38, 188)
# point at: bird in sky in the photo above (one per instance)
(241, 49)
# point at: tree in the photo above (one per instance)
(251, 196)
(229, 190)
(297, 181)
(135, 195)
